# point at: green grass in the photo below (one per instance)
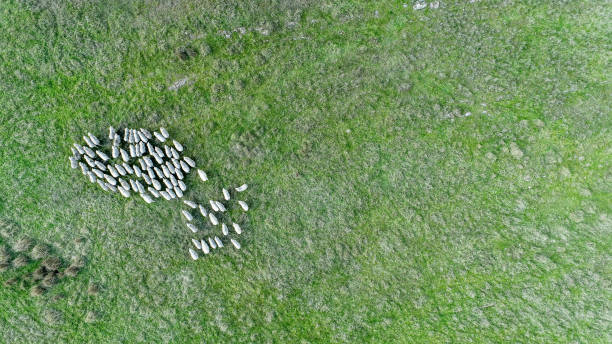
(379, 212)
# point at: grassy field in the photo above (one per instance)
(434, 176)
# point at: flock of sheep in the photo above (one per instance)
(134, 159)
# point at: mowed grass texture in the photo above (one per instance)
(381, 212)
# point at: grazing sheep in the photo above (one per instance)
(98, 173)
(213, 205)
(166, 171)
(102, 155)
(237, 228)
(88, 141)
(79, 148)
(226, 194)
(89, 161)
(124, 192)
(115, 152)
(100, 165)
(189, 161)
(184, 166)
(93, 139)
(194, 254)
(159, 152)
(90, 153)
(241, 188)
(146, 197)
(137, 171)
(220, 206)
(179, 174)
(146, 133)
(187, 215)
(244, 206)
(159, 137)
(110, 179)
(205, 247)
(212, 243)
(190, 204)
(235, 243)
(156, 184)
(143, 137)
(170, 167)
(127, 168)
(141, 188)
(175, 154)
(112, 171)
(153, 192)
(178, 192)
(182, 185)
(202, 175)
(224, 229)
(203, 211)
(196, 243)
(192, 227)
(171, 193)
(147, 179)
(111, 133)
(168, 151)
(124, 155)
(213, 219)
(218, 241)
(165, 195)
(177, 145)
(73, 162)
(120, 169)
(164, 132)
(173, 180)
(111, 187)
(102, 185)
(123, 183)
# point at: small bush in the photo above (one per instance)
(22, 245)
(93, 289)
(40, 251)
(72, 271)
(4, 266)
(20, 261)
(52, 316)
(39, 273)
(37, 290)
(52, 263)
(49, 280)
